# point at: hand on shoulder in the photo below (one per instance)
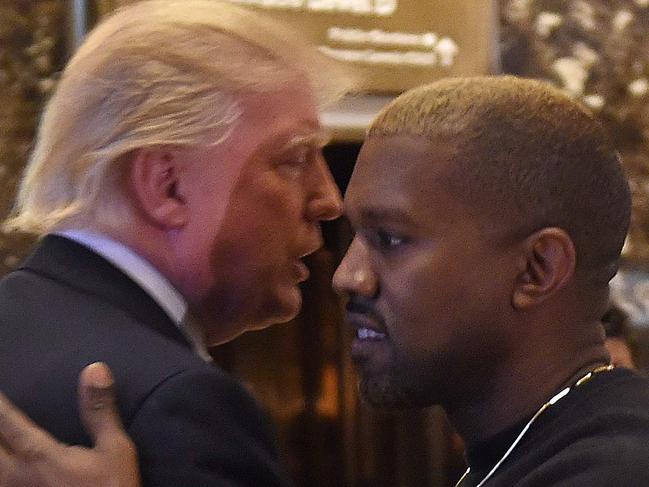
(30, 457)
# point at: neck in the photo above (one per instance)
(517, 394)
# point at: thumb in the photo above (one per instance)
(97, 406)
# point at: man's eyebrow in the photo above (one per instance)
(316, 139)
(379, 214)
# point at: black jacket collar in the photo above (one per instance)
(75, 265)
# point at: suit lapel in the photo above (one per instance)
(77, 266)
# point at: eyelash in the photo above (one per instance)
(293, 166)
(298, 161)
(387, 241)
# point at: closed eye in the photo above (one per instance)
(294, 163)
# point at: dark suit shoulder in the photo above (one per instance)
(200, 427)
(195, 424)
(49, 331)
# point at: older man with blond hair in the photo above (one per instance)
(177, 173)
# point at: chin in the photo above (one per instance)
(389, 392)
(282, 309)
(380, 394)
(291, 303)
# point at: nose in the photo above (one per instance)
(325, 201)
(354, 274)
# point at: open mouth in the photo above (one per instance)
(369, 346)
(363, 318)
(368, 334)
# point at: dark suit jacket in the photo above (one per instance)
(193, 424)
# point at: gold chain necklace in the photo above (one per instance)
(553, 400)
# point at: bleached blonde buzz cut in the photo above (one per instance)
(525, 156)
(155, 73)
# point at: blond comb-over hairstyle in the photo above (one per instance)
(155, 73)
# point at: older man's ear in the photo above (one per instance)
(155, 181)
(30, 457)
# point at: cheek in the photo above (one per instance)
(423, 301)
(414, 288)
(253, 231)
(251, 254)
(273, 217)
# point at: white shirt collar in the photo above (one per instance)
(146, 276)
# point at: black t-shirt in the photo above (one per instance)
(596, 436)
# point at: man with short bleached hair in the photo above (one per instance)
(478, 275)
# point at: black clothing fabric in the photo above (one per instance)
(596, 436)
(193, 424)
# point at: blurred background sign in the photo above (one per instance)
(395, 44)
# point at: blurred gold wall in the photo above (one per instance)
(31, 53)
